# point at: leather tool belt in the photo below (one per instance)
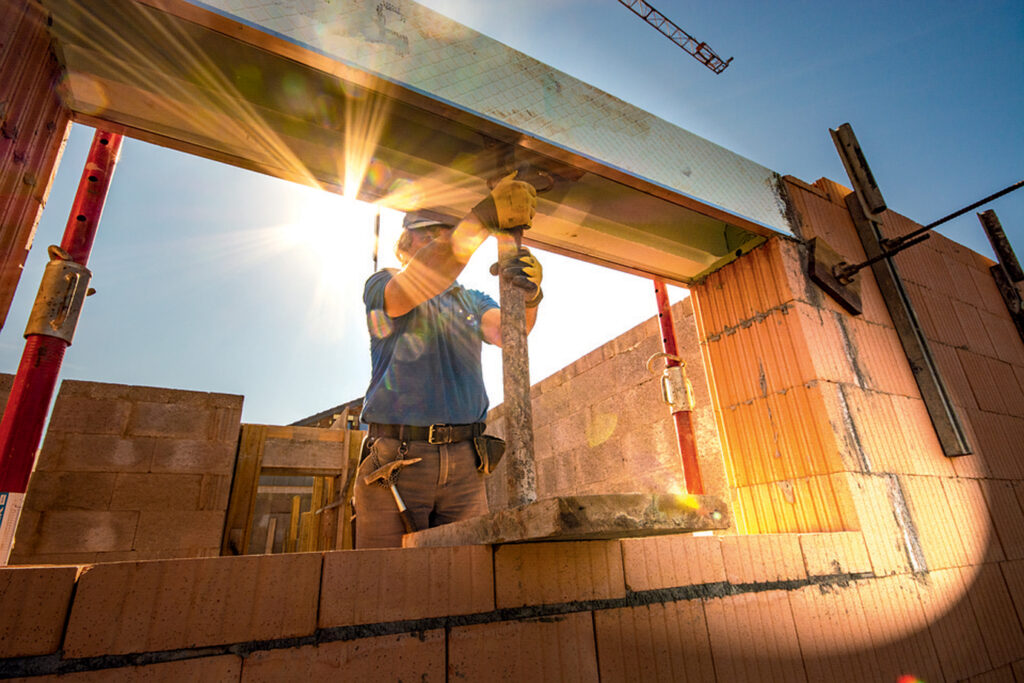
(435, 434)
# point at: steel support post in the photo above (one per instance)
(683, 418)
(520, 470)
(21, 428)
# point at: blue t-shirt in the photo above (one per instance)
(426, 363)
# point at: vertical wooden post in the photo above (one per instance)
(246, 481)
(268, 548)
(293, 525)
(353, 445)
(329, 508)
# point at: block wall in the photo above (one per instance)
(128, 472)
(774, 607)
(33, 127)
(601, 426)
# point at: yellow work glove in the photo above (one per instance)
(525, 272)
(511, 204)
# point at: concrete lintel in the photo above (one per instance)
(575, 518)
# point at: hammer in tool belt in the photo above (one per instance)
(386, 476)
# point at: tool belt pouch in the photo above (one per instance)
(364, 448)
(489, 450)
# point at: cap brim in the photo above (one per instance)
(421, 224)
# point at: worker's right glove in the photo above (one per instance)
(525, 272)
(511, 204)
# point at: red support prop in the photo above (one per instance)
(683, 418)
(21, 428)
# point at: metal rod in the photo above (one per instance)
(845, 273)
(376, 238)
(895, 241)
(21, 428)
(683, 418)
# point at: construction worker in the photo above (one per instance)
(426, 402)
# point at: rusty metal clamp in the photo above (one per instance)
(63, 288)
(676, 389)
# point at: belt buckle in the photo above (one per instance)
(437, 441)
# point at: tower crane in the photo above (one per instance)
(701, 51)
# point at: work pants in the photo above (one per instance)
(444, 487)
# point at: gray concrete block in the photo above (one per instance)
(603, 516)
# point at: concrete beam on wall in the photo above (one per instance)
(319, 93)
(591, 517)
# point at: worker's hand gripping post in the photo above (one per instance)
(385, 476)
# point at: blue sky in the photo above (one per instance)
(203, 284)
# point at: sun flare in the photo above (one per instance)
(329, 239)
(324, 223)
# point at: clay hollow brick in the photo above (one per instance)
(129, 607)
(34, 603)
(551, 573)
(372, 586)
(401, 657)
(841, 552)
(560, 648)
(762, 558)
(671, 561)
(664, 642)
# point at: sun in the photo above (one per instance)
(325, 225)
(336, 235)
(329, 240)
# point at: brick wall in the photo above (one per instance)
(601, 426)
(920, 572)
(776, 607)
(129, 472)
(902, 485)
(779, 361)
(822, 423)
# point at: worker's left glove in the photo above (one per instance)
(525, 272)
(511, 204)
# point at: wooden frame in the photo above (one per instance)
(327, 455)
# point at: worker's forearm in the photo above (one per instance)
(444, 259)
(434, 267)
